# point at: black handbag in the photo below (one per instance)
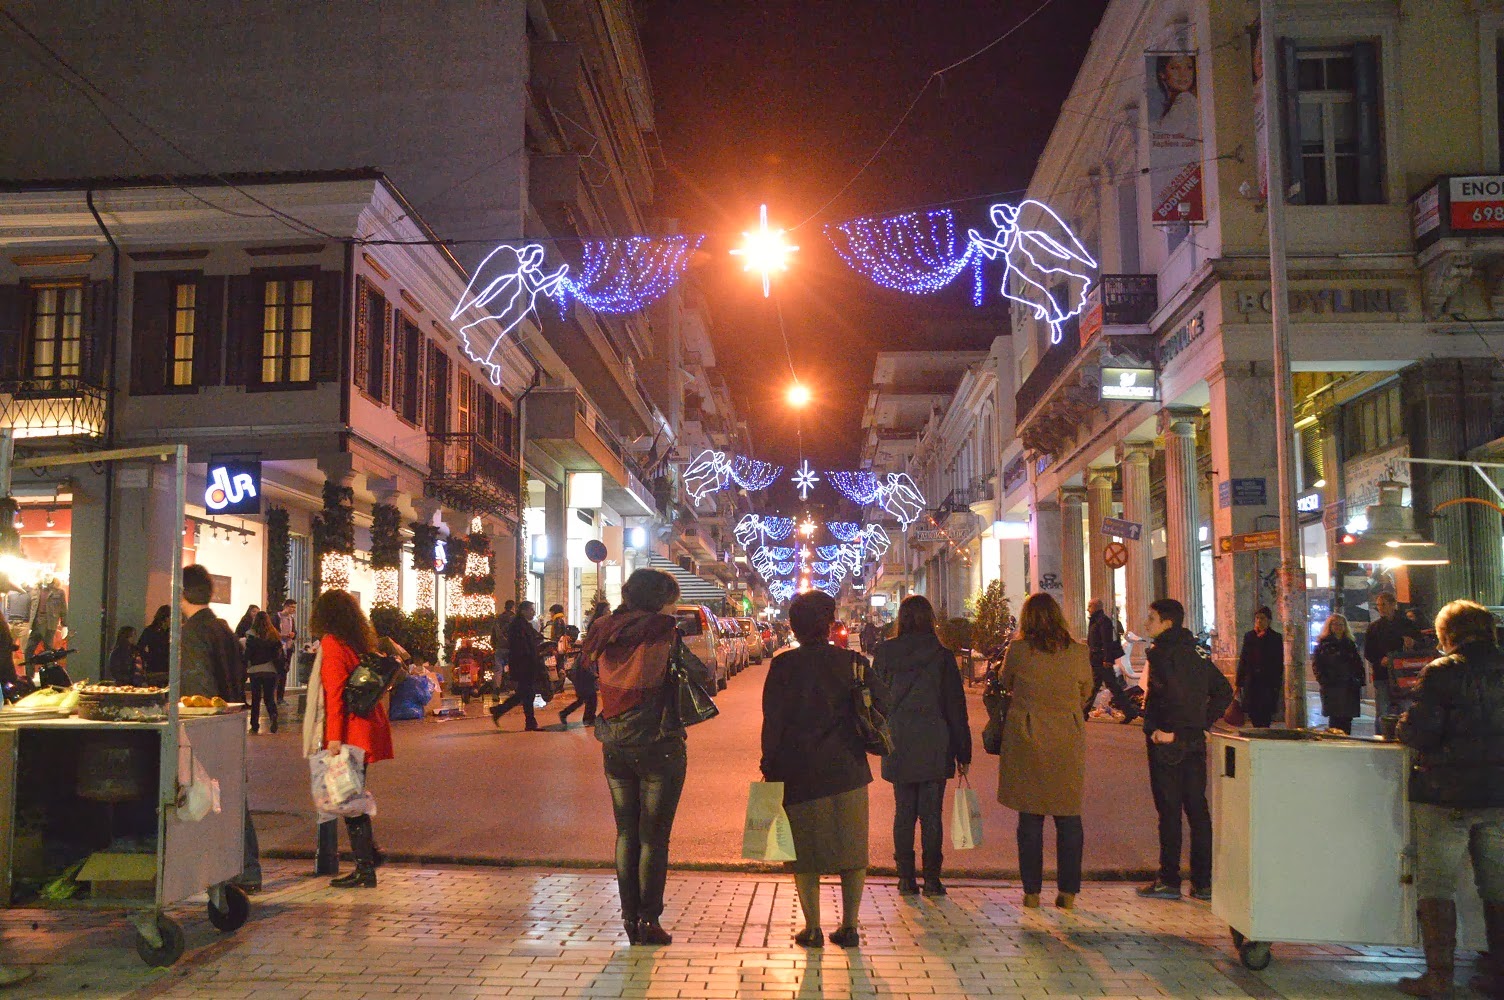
(368, 682)
(686, 701)
(871, 724)
(996, 701)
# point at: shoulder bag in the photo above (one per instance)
(686, 701)
(996, 701)
(871, 724)
(368, 682)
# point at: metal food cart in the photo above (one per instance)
(1313, 845)
(191, 856)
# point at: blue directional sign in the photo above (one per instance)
(1118, 528)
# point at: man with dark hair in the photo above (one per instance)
(499, 638)
(211, 666)
(1186, 695)
(1456, 728)
(1261, 672)
(525, 662)
(1105, 647)
(1386, 635)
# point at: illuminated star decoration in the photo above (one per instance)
(505, 288)
(805, 479)
(765, 251)
(624, 276)
(1056, 271)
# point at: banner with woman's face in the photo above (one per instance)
(1175, 152)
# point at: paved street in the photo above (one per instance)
(485, 932)
(462, 791)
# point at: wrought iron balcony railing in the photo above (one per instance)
(53, 407)
(469, 474)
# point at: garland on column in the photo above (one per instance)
(472, 606)
(386, 552)
(423, 623)
(278, 548)
(334, 537)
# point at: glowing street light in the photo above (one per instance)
(798, 395)
(765, 251)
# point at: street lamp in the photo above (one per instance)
(798, 395)
(765, 250)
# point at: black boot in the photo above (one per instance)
(907, 885)
(362, 845)
(932, 865)
(1438, 937)
(1489, 980)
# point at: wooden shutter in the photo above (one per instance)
(151, 316)
(97, 306)
(1289, 94)
(328, 330)
(243, 329)
(208, 330)
(399, 362)
(1370, 143)
(362, 332)
(12, 323)
(438, 390)
(419, 383)
(380, 346)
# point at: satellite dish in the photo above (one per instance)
(595, 551)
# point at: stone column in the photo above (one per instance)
(555, 565)
(1073, 559)
(1139, 573)
(1044, 549)
(1182, 520)
(1331, 493)
(1098, 506)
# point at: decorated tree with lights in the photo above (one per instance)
(992, 621)
(334, 537)
(472, 604)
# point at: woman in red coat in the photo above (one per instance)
(344, 633)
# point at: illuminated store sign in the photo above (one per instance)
(234, 487)
(1133, 384)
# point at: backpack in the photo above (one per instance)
(368, 682)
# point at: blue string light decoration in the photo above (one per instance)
(858, 487)
(785, 568)
(829, 553)
(627, 275)
(780, 591)
(750, 474)
(781, 552)
(753, 527)
(844, 531)
(821, 566)
(917, 253)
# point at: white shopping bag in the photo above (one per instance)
(767, 835)
(326, 802)
(965, 817)
(539, 701)
(342, 778)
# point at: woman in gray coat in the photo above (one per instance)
(931, 737)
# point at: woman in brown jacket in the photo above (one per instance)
(1042, 768)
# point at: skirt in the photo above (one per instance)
(830, 834)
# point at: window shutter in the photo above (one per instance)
(12, 316)
(243, 327)
(417, 358)
(208, 330)
(1370, 145)
(96, 331)
(438, 390)
(399, 362)
(362, 332)
(328, 332)
(149, 339)
(1289, 96)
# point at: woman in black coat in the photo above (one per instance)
(1339, 670)
(1261, 671)
(931, 737)
(810, 743)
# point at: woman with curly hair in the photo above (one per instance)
(344, 633)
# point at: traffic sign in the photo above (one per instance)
(1114, 527)
(1115, 555)
(1249, 541)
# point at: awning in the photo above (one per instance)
(692, 589)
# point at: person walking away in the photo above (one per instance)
(869, 637)
(122, 666)
(1338, 667)
(344, 633)
(1261, 672)
(210, 667)
(644, 758)
(263, 655)
(528, 672)
(1042, 764)
(583, 677)
(1456, 729)
(1186, 696)
(1105, 646)
(247, 622)
(153, 647)
(1388, 634)
(499, 641)
(931, 737)
(810, 742)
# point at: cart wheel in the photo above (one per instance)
(172, 944)
(1255, 955)
(237, 909)
(1237, 938)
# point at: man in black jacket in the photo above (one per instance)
(525, 663)
(1186, 695)
(1386, 635)
(1105, 648)
(1261, 672)
(1456, 727)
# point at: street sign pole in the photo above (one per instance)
(1292, 578)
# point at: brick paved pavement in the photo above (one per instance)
(488, 932)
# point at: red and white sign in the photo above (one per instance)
(1477, 203)
(1173, 105)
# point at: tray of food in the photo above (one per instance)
(55, 703)
(196, 704)
(121, 703)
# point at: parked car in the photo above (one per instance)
(839, 635)
(753, 639)
(731, 632)
(701, 632)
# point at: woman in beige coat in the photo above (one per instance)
(1042, 768)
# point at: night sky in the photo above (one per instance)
(781, 102)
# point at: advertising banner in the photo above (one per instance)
(1174, 137)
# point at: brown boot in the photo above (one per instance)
(1489, 979)
(1438, 936)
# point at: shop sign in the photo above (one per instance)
(1117, 528)
(1132, 384)
(1425, 212)
(1308, 503)
(1361, 476)
(234, 487)
(1250, 541)
(1327, 301)
(922, 535)
(1180, 339)
(1172, 93)
(1014, 473)
(1042, 464)
(1242, 493)
(1471, 205)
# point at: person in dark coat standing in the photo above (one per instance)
(525, 662)
(1105, 646)
(1261, 672)
(153, 646)
(810, 743)
(582, 675)
(870, 636)
(931, 737)
(1456, 728)
(1338, 667)
(1388, 634)
(122, 667)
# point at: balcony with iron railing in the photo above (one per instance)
(67, 406)
(471, 475)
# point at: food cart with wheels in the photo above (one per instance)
(1313, 844)
(144, 801)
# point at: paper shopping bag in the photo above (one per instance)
(965, 817)
(767, 835)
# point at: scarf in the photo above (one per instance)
(314, 711)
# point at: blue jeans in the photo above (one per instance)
(645, 786)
